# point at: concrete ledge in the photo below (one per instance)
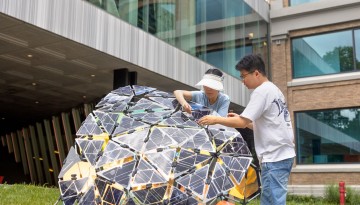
(313, 190)
(327, 168)
(324, 79)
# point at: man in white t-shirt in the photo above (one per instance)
(268, 116)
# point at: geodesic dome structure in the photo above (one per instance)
(139, 147)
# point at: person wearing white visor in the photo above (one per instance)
(210, 96)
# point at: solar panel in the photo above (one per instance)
(139, 147)
(147, 174)
(152, 118)
(163, 160)
(188, 160)
(170, 103)
(139, 90)
(150, 196)
(135, 140)
(127, 124)
(127, 91)
(90, 149)
(107, 120)
(162, 94)
(179, 119)
(145, 104)
(120, 174)
(236, 146)
(180, 198)
(195, 182)
(89, 127)
(113, 153)
(89, 197)
(112, 99)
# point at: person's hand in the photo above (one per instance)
(186, 107)
(231, 114)
(208, 120)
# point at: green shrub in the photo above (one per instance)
(332, 195)
(303, 199)
(352, 196)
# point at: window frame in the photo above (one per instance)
(355, 69)
(296, 137)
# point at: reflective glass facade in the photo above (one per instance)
(328, 136)
(216, 31)
(357, 48)
(297, 2)
(324, 54)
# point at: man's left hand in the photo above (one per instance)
(208, 120)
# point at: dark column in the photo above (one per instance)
(122, 77)
(132, 78)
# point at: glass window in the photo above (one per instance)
(211, 10)
(216, 57)
(297, 2)
(328, 136)
(357, 48)
(323, 54)
(216, 31)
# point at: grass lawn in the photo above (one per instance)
(19, 194)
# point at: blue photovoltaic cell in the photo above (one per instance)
(152, 118)
(187, 160)
(237, 166)
(163, 161)
(89, 197)
(139, 90)
(160, 94)
(119, 174)
(90, 149)
(236, 146)
(127, 90)
(145, 104)
(195, 181)
(179, 119)
(146, 174)
(134, 141)
(107, 120)
(151, 196)
(126, 124)
(89, 127)
(113, 152)
(170, 103)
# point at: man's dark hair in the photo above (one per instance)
(214, 71)
(250, 63)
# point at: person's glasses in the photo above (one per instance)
(242, 77)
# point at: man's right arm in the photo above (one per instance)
(235, 121)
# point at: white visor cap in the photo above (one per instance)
(211, 81)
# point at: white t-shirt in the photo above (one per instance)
(273, 133)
